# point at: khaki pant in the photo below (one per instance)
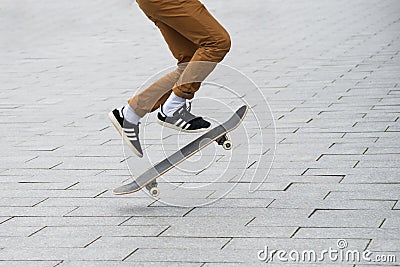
(193, 35)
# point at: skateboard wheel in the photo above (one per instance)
(151, 185)
(227, 144)
(222, 139)
(154, 191)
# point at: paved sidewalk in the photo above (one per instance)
(329, 69)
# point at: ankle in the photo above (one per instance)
(172, 104)
(130, 115)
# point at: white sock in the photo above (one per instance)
(172, 104)
(130, 114)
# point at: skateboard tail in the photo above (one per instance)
(128, 188)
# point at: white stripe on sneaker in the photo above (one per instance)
(130, 133)
(182, 125)
(177, 122)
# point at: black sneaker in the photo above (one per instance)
(183, 120)
(128, 131)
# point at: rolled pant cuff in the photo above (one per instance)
(182, 94)
(139, 111)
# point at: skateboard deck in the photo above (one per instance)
(218, 134)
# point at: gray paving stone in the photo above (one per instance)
(123, 263)
(49, 193)
(266, 194)
(346, 187)
(4, 219)
(187, 220)
(6, 231)
(35, 211)
(375, 265)
(378, 164)
(329, 69)
(33, 186)
(270, 264)
(95, 202)
(384, 245)
(19, 202)
(47, 242)
(366, 215)
(54, 254)
(303, 178)
(244, 212)
(128, 211)
(162, 242)
(348, 232)
(65, 221)
(185, 255)
(320, 221)
(372, 195)
(95, 231)
(222, 231)
(38, 263)
(333, 204)
(293, 243)
(391, 223)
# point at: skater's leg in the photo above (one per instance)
(157, 93)
(193, 21)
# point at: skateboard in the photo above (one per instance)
(218, 134)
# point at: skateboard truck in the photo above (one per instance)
(153, 189)
(224, 142)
